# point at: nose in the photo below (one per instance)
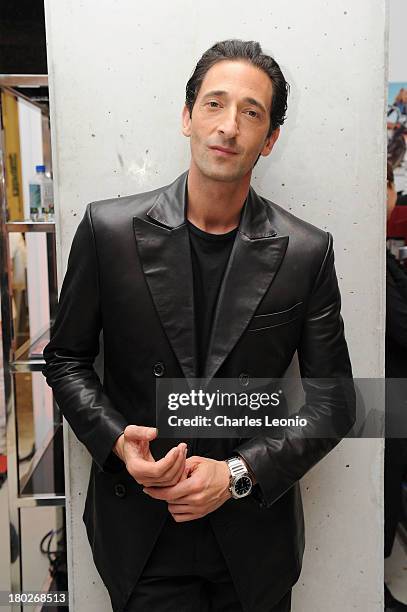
(228, 125)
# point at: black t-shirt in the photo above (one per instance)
(210, 254)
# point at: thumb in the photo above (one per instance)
(139, 432)
(194, 461)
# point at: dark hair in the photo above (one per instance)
(251, 52)
(390, 174)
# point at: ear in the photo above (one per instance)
(270, 142)
(186, 121)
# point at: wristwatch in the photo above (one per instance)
(240, 483)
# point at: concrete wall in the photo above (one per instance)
(117, 81)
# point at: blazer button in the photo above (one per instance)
(120, 490)
(158, 369)
(244, 379)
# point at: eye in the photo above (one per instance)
(253, 113)
(213, 104)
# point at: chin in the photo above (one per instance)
(225, 175)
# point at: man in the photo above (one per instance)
(200, 278)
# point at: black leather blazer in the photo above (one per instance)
(129, 277)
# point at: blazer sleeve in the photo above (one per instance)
(74, 344)
(330, 401)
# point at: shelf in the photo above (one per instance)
(31, 501)
(19, 80)
(31, 226)
(44, 482)
(39, 481)
(28, 357)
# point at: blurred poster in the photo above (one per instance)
(397, 133)
(12, 156)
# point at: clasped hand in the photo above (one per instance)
(192, 486)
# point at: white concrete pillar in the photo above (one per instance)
(117, 81)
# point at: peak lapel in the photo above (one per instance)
(164, 249)
(164, 252)
(256, 256)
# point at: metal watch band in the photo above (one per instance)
(237, 467)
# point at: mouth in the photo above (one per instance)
(223, 151)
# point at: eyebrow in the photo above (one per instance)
(220, 92)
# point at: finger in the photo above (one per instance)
(181, 474)
(154, 469)
(172, 475)
(194, 500)
(159, 484)
(181, 489)
(174, 457)
(194, 460)
(169, 480)
(185, 473)
(181, 509)
(140, 432)
(170, 471)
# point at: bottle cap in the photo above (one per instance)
(40, 168)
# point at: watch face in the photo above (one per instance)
(242, 486)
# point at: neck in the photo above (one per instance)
(215, 206)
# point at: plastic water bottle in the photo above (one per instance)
(35, 193)
(41, 196)
(48, 199)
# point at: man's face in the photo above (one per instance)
(231, 112)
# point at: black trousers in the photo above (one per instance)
(186, 572)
